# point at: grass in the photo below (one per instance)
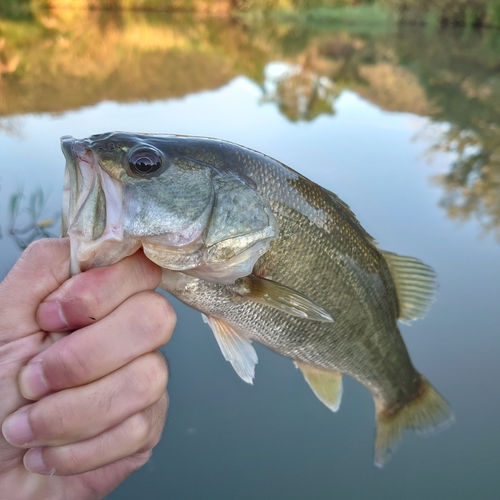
(361, 19)
(357, 14)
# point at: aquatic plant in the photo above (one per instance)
(27, 220)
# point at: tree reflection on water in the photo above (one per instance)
(472, 186)
(461, 76)
(300, 92)
(55, 62)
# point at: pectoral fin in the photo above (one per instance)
(326, 385)
(281, 297)
(236, 348)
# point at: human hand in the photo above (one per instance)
(99, 392)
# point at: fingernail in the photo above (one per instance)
(16, 428)
(33, 462)
(51, 317)
(32, 384)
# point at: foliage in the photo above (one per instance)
(460, 77)
(432, 12)
(16, 9)
(472, 186)
(451, 77)
(342, 15)
(456, 12)
(351, 15)
(185, 5)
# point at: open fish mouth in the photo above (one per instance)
(190, 217)
(92, 214)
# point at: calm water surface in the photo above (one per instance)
(403, 124)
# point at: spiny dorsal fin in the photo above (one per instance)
(343, 206)
(281, 297)
(416, 285)
(236, 348)
(326, 385)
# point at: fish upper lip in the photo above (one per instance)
(75, 149)
(67, 146)
(82, 152)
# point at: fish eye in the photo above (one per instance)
(144, 161)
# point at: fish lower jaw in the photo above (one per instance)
(106, 250)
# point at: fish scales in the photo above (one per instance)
(266, 255)
(373, 358)
(337, 253)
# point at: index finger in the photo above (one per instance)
(92, 295)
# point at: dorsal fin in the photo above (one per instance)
(341, 205)
(416, 285)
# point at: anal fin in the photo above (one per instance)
(235, 347)
(326, 384)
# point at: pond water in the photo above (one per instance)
(402, 123)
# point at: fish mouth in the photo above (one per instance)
(92, 214)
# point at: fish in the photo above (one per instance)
(265, 255)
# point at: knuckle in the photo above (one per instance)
(138, 429)
(159, 372)
(147, 455)
(159, 411)
(144, 270)
(35, 255)
(160, 319)
(35, 248)
(151, 381)
(153, 419)
(81, 300)
(50, 424)
(153, 439)
(140, 458)
(71, 366)
(65, 459)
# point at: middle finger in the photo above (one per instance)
(143, 323)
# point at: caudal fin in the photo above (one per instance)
(428, 412)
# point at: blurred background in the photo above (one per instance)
(394, 105)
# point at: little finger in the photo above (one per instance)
(138, 433)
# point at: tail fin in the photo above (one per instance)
(428, 412)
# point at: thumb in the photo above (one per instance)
(40, 270)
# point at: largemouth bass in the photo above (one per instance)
(266, 255)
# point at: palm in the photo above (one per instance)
(89, 485)
(95, 400)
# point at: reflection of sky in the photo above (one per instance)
(357, 153)
(372, 160)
